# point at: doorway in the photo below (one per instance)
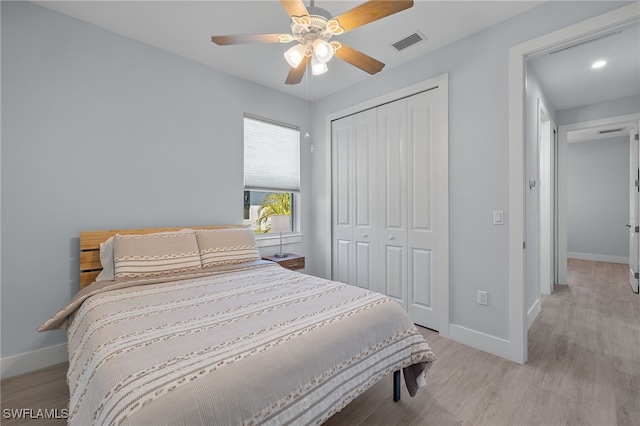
(518, 320)
(578, 133)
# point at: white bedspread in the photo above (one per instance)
(256, 345)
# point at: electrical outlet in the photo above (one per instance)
(483, 298)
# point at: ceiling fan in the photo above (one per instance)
(312, 28)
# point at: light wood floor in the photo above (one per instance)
(583, 369)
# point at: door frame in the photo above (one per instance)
(442, 82)
(634, 172)
(562, 248)
(518, 54)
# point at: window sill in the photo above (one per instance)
(266, 240)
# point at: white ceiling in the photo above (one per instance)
(569, 81)
(185, 29)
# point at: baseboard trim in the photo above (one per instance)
(484, 342)
(35, 360)
(598, 257)
(533, 312)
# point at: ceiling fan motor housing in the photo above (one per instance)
(315, 29)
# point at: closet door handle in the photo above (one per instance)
(365, 236)
(391, 237)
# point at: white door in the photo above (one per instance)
(354, 151)
(413, 165)
(342, 137)
(424, 169)
(634, 222)
(392, 201)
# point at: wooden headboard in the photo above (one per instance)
(90, 265)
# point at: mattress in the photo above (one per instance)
(249, 344)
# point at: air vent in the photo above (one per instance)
(409, 41)
(604, 132)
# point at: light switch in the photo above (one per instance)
(498, 217)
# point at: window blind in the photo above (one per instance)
(271, 156)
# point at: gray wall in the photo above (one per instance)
(103, 132)
(598, 197)
(478, 149)
(628, 105)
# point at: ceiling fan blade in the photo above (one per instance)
(359, 59)
(369, 12)
(248, 38)
(295, 74)
(294, 7)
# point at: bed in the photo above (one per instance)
(192, 327)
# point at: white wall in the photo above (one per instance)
(103, 132)
(478, 140)
(598, 198)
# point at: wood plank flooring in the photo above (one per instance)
(583, 369)
(41, 389)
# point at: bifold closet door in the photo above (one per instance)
(354, 193)
(408, 230)
(392, 200)
(426, 165)
(389, 189)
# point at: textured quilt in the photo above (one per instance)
(254, 345)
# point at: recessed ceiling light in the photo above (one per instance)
(599, 64)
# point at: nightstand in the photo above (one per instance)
(292, 261)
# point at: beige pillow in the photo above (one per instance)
(155, 254)
(106, 255)
(227, 246)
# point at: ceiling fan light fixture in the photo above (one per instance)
(322, 50)
(295, 55)
(318, 67)
(312, 27)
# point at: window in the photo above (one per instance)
(271, 172)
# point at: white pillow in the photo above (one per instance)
(106, 255)
(106, 259)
